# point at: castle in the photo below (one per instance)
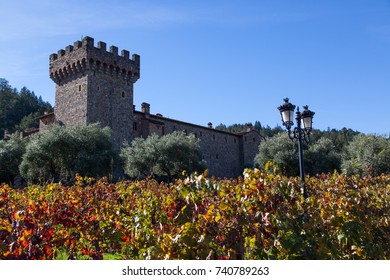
(96, 85)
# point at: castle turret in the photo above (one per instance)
(95, 85)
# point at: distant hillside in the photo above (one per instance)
(19, 109)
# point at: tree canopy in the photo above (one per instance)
(367, 155)
(356, 154)
(265, 131)
(167, 155)
(62, 152)
(281, 150)
(320, 156)
(11, 153)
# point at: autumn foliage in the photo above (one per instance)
(261, 215)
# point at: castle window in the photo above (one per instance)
(254, 139)
(134, 126)
(79, 87)
(214, 137)
(235, 141)
(200, 133)
(217, 156)
(123, 94)
(98, 88)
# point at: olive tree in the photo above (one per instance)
(140, 157)
(167, 155)
(367, 155)
(319, 156)
(61, 152)
(322, 157)
(280, 150)
(11, 153)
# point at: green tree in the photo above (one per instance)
(222, 127)
(340, 138)
(367, 155)
(258, 126)
(11, 153)
(62, 152)
(166, 156)
(140, 157)
(319, 156)
(265, 131)
(322, 157)
(281, 150)
(8, 97)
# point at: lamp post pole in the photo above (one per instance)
(300, 153)
(301, 134)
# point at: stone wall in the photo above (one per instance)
(110, 102)
(71, 101)
(250, 143)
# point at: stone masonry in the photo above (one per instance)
(96, 85)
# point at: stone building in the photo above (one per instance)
(96, 85)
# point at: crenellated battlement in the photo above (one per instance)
(83, 56)
(88, 42)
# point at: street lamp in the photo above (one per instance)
(305, 120)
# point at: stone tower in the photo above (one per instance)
(95, 85)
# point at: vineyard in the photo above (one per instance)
(261, 215)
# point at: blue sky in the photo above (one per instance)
(221, 61)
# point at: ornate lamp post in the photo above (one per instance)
(304, 119)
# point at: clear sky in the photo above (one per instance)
(221, 61)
